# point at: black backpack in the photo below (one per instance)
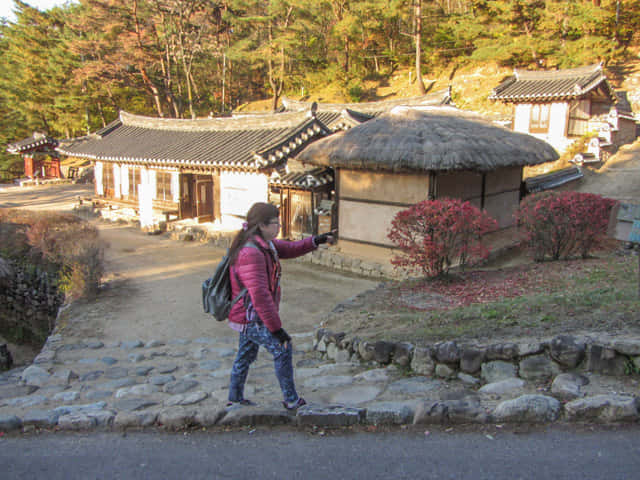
(216, 290)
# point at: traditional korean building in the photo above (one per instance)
(412, 154)
(564, 105)
(214, 169)
(41, 160)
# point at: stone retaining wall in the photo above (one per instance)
(29, 301)
(475, 363)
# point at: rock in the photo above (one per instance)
(176, 418)
(414, 386)
(238, 415)
(6, 359)
(503, 387)
(328, 381)
(525, 349)
(606, 408)
(136, 357)
(29, 401)
(161, 379)
(356, 395)
(41, 418)
(118, 383)
(134, 419)
(334, 416)
(366, 351)
(91, 376)
(11, 391)
(627, 346)
(538, 367)
(471, 358)
(445, 371)
(497, 370)
(422, 363)
(567, 351)
(447, 352)
(143, 371)
(116, 373)
(131, 345)
(76, 422)
(468, 379)
(502, 351)
(65, 375)
(382, 352)
(66, 397)
(375, 375)
(390, 413)
(402, 354)
(35, 375)
(466, 410)
(566, 386)
(9, 422)
(342, 356)
(528, 408)
(95, 345)
(332, 351)
(154, 344)
(194, 397)
(133, 404)
(73, 409)
(166, 368)
(207, 417)
(180, 386)
(137, 390)
(605, 361)
(98, 394)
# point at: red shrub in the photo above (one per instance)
(434, 234)
(563, 224)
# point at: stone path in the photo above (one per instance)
(183, 383)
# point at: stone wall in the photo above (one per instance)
(29, 301)
(475, 363)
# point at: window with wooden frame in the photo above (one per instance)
(539, 120)
(108, 186)
(163, 186)
(579, 113)
(134, 183)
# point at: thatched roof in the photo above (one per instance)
(427, 139)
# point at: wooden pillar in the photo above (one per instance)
(216, 195)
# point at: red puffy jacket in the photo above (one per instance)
(257, 270)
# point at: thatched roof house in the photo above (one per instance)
(413, 153)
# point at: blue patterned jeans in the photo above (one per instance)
(254, 336)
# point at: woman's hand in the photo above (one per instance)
(329, 237)
(282, 336)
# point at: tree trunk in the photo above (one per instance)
(419, 47)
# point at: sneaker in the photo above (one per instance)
(294, 405)
(243, 402)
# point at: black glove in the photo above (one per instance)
(282, 336)
(323, 238)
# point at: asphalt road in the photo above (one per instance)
(488, 453)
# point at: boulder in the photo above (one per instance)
(605, 361)
(447, 352)
(502, 351)
(422, 363)
(382, 352)
(528, 408)
(471, 358)
(538, 367)
(607, 408)
(567, 350)
(402, 354)
(566, 386)
(498, 370)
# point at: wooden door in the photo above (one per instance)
(204, 198)
(186, 195)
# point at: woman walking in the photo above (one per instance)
(255, 265)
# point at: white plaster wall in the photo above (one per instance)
(145, 197)
(124, 180)
(116, 181)
(522, 116)
(367, 222)
(558, 124)
(238, 191)
(151, 183)
(175, 186)
(97, 173)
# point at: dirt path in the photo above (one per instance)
(152, 283)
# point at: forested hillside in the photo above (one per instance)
(69, 70)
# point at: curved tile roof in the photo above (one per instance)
(31, 143)
(234, 143)
(552, 85)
